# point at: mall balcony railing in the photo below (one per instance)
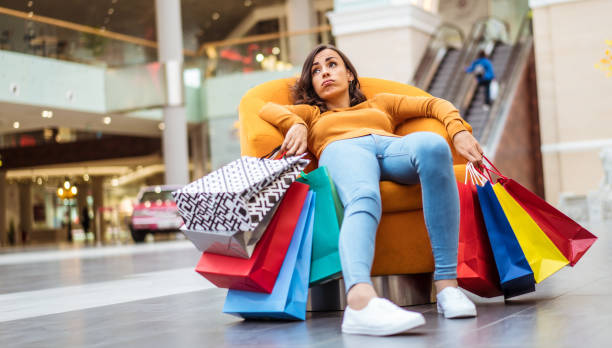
(133, 78)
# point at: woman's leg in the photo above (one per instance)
(425, 158)
(353, 166)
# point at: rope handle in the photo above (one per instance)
(474, 174)
(494, 170)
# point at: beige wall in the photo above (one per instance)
(389, 60)
(575, 99)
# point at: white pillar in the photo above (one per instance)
(383, 38)
(301, 15)
(170, 52)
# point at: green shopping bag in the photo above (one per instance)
(325, 264)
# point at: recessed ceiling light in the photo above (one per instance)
(107, 120)
(215, 16)
(16, 125)
(161, 126)
(259, 57)
(47, 114)
(30, 3)
(111, 11)
(275, 50)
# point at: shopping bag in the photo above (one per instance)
(290, 294)
(568, 236)
(329, 212)
(227, 211)
(515, 274)
(476, 270)
(259, 272)
(542, 255)
(493, 89)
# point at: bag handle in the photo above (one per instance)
(474, 174)
(494, 170)
(274, 154)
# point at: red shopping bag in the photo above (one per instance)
(568, 236)
(259, 272)
(476, 270)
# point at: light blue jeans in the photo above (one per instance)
(357, 166)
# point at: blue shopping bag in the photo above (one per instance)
(515, 274)
(290, 293)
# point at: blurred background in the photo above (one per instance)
(106, 106)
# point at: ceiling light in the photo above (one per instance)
(161, 126)
(111, 11)
(107, 120)
(259, 57)
(30, 3)
(16, 125)
(39, 181)
(46, 113)
(216, 16)
(275, 50)
(115, 182)
(86, 177)
(248, 3)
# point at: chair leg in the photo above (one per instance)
(402, 289)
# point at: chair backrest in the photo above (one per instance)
(279, 91)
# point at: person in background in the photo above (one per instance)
(483, 69)
(85, 221)
(353, 137)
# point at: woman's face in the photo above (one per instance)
(330, 77)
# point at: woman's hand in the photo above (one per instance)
(296, 140)
(468, 147)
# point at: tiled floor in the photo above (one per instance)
(148, 296)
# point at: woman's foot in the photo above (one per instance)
(367, 314)
(453, 303)
(380, 317)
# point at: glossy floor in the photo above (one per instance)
(149, 296)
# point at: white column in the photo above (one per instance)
(301, 15)
(384, 39)
(170, 52)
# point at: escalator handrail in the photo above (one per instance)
(427, 62)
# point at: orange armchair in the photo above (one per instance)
(402, 242)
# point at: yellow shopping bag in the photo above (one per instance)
(542, 255)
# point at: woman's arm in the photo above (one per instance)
(292, 121)
(402, 108)
(284, 117)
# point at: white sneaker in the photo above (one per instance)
(453, 303)
(380, 317)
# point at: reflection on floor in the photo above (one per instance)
(149, 296)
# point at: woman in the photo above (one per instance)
(353, 137)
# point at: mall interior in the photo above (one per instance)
(102, 101)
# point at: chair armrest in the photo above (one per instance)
(423, 124)
(257, 136)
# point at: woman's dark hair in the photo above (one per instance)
(304, 93)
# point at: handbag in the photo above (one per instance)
(259, 272)
(290, 294)
(329, 212)
(227, 211)
(515, 274)
(569, 237)
(476, 270)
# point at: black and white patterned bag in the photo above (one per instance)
(227, 211)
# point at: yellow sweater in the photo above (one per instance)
(378, 115)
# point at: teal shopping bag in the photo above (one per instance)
(290, 294)
(329, 211)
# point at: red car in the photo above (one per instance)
(155, 212)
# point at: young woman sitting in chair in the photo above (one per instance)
(353, 137)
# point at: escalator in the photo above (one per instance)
(477, 113)
(444, 75)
